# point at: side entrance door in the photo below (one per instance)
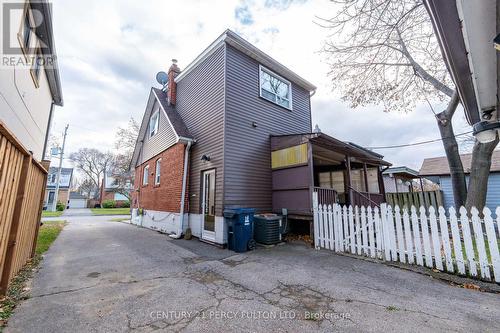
(208, 205)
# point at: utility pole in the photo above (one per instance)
(61, 154)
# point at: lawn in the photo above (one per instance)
(48, 234)
(17, 290)
(51, 214)
(110, 211)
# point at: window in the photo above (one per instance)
(275, 89)
(37, 66)
(145, 175)
(26, 31)
(158, 171)
(153, 123)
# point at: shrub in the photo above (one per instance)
(125, 204)
(60, 206)
(109, 204)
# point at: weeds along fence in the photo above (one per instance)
(22, 186)
(463, 243)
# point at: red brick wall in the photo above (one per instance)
(166, 196)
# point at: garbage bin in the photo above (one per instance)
(240, 229)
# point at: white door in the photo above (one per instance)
(208, 205)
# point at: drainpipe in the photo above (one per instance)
(183, 192)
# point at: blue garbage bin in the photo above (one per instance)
(240, 229)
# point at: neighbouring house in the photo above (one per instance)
(437, 170)
(400, 179)
(30, 87)
(64, 186)
(109, 191)
(233, 129)
(77, 200)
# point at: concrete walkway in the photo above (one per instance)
(102, 276)
(77, 212)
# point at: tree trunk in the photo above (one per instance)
(452, 154)
(480, 170)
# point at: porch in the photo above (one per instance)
(340, 172)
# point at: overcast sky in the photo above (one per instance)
(110, 51)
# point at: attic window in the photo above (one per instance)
(275, 88)
(153, 123)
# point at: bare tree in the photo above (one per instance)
(385, 52)
(86, 187)
(125, 144)
(126, 137)
(93, 163)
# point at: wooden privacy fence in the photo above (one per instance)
(22, 186)
(462, 243)
(407, 199)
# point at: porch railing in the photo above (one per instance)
(365, 199)
(326, 196)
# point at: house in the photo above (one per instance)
(64, 186)
(467, 32)
(229, 131)
(399, 179)
(437, 170)
(109, 191)
(30, 88)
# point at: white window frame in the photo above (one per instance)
(268, 71)
(158, 171)
(145, 175)
(153, 131)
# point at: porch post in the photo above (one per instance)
(349, 180)
(381, 185)
(365, 171)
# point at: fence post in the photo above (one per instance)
(316, 220)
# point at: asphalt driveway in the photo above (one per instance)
(102, 276)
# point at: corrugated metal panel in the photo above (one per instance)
(492, 197)
(200, 102)
(289, 156)
(247, 149)
(160, 141)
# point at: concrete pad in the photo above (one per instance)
(105, 276)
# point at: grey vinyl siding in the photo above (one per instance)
(492, 196)
(200, 103)
(163, 139)
(247, 172)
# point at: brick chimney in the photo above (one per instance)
(173, 71)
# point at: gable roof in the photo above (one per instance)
(175, 121)
(438, 166)
(233, 39)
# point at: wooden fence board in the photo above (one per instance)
(22, 183)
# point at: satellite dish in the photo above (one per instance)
(162, 78)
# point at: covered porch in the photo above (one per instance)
(340, 172)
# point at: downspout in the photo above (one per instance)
(47, 134)
(183, 191)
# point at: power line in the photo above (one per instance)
(419, 143)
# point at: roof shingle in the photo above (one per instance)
(438, 166)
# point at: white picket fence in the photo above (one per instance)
(464, 244)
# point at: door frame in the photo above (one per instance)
(206, 234)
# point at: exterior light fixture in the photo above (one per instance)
(496, 42)
(205, 158)
(486, 131)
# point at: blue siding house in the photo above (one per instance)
(437, 170)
